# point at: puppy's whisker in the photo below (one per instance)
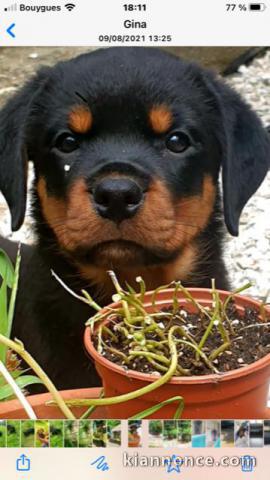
(81, 97)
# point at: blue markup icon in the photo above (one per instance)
(23, 464)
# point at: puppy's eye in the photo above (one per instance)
(67, 143)
(178, 142)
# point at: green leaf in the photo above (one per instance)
(10, 279)
(19, 373)
(3, 318)
(15, 374)
(13, 296)
(150, 411)
(7, 392)
(6, 268)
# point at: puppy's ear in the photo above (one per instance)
(13, 147)
(245, 152)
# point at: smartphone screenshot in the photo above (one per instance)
(134, 239)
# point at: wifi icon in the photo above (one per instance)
(70, 6)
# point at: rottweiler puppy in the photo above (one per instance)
(127, 146)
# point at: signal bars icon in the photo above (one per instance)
(11, 8)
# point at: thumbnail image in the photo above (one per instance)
(241, 433)
(198, 434)
(71, 431)
(184, 433)
(56, 433)
(42, 434)
(3, 433)
(213, 433)
(155, 433)
(256, 433)
(113, 433)
(28, 433)
(227, 433)
(170, 433)
(99, 433)
(13, 433)
(266, 432)
(134, 433)
(85, 434)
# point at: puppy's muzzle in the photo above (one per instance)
(117, 199)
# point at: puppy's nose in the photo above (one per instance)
(117, 198)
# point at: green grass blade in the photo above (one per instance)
(155, 408)
(6, 268)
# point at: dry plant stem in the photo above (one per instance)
(219, 350)
(118, 352)
(86, 299)
(135, 303)
(200, 354)
(193, 301)
(209, 328)
(98, 317)
(222, 331)
(110, 333)
(175, 299)
(158, 367)
(91, 302)
(141, 282)
(255, 325)
(138, 393)
(120, 292)
(227, 301)
(19, 349)
(141, 353)
(235, 292)
(91, 409)
(17, 391)
(99, 346)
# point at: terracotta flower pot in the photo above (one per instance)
(14, 410)
(240, 393)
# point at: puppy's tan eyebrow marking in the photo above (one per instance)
(160, 118)
(80, 119)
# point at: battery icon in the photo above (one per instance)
(257, 7)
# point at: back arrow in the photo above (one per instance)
(9, 30)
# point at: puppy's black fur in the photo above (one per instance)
(127, 146)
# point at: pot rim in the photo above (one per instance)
(196, 379)
(40, 400)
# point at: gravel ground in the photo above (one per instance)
(248, 255)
